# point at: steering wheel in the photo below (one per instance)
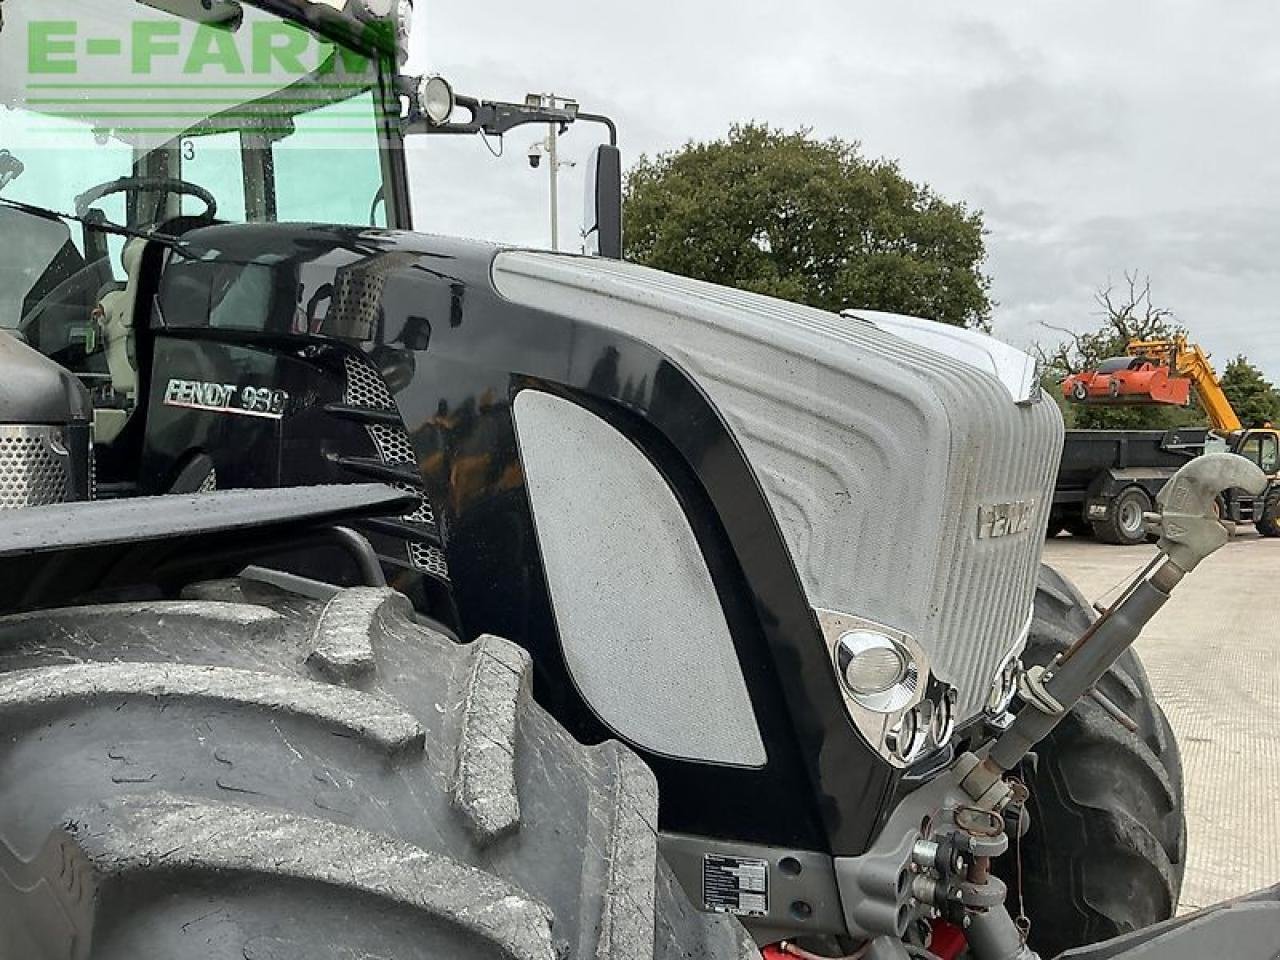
(161, 185)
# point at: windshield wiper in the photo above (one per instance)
(11, 168)
(45, 213)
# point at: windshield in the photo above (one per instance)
(168, 115)
(137, 112)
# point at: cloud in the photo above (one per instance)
(1213, 269)
(1096, 136)
(1031, 115)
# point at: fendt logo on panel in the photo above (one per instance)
(1003, 519)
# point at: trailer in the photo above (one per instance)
(1108, 479)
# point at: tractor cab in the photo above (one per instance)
(128, 121)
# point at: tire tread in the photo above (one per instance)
(187, 740)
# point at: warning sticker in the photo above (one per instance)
(736, 885)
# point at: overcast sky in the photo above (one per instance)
(1096, 136)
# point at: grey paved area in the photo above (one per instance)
(1213, 654)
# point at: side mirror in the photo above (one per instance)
(602, 227)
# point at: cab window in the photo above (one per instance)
(1262, 449)
(1269, 453)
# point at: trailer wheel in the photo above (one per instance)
(252, 775)
(1105, 852)
(1079, 391)
(1268, 525)
(1123, 524)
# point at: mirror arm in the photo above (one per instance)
(601, 118)
(492, 118)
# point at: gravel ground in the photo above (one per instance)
(1213, 654)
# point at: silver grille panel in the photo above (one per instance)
(429, 559)
(875, 454)
(365, 388)
(34, 466)
(393, 443)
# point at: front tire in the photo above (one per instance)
(1105, 852)
(249, 774)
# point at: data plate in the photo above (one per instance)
(736, 885)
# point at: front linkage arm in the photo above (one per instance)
(1189, 532)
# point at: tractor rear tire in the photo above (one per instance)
(249, 774)
(1123, 524)
(1106, 849)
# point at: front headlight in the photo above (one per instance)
(943, 722)
(884, 679)
(876, 670)
(905, 737)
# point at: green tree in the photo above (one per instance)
(1127, 314)
(807, 220)
(1254, 398)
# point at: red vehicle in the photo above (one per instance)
(1127, 380)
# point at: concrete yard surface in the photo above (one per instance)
(1213, 655)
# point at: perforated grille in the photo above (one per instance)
(33, 467)
(429, 559)
(392, 443)
(365, 388)
(423, 512)
(209, 483)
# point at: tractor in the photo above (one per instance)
(367, 593)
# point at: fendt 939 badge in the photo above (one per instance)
(226, 398)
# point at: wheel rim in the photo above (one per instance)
(1131, 517)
